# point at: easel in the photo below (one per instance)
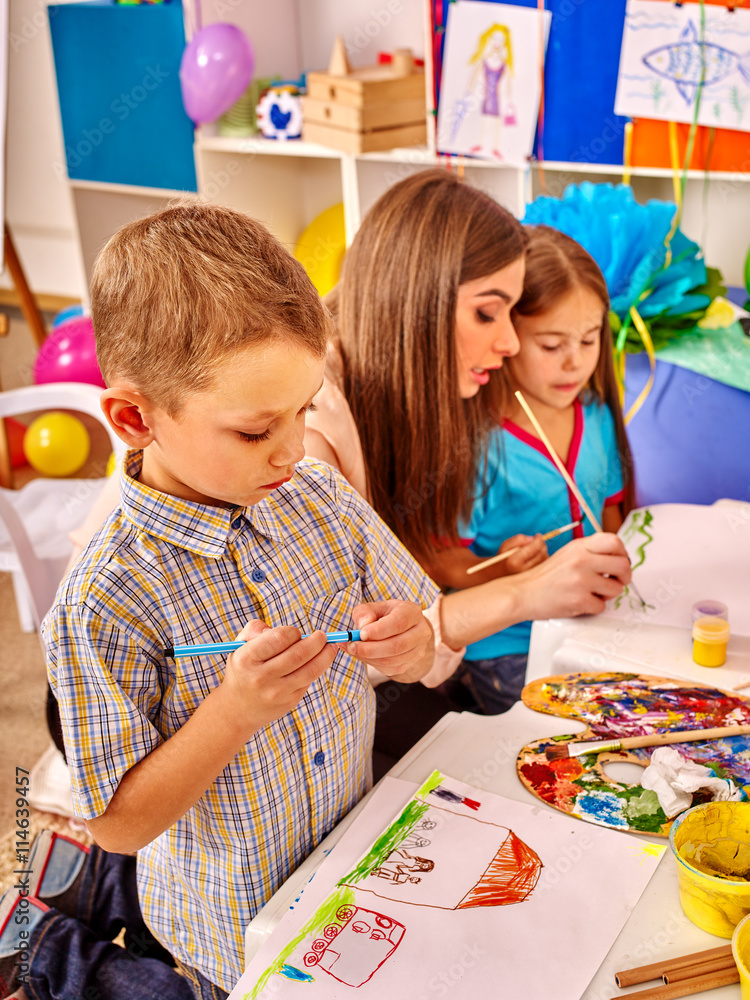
(34, 320)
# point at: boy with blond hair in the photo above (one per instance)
(223, 773)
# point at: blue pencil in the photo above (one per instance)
(175, 652)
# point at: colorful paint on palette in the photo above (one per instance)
(627, 705)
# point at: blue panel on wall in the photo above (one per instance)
(580, 80)
(689, 440)
(117, 78)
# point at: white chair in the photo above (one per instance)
(35, 520)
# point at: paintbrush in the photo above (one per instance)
(563, 750)
(506, 555)
(568, 478)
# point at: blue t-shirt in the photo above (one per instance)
(525, 494)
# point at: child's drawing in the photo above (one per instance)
(491, 81)
(354, 946)
(667, 43)
(482, 902)
(684, 553)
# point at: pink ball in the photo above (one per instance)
(69, 354)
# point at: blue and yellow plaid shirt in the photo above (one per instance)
(163, 571)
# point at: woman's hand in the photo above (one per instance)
(532, 550)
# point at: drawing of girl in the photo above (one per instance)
(492, 64)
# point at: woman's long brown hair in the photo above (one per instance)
(555, 266)
(396, 306)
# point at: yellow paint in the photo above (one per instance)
(711, 845)
(741, 954)
(710, 638)
(648, 850)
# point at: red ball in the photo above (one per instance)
(69, 354)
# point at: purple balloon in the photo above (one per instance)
(215, 70)
(69, 354)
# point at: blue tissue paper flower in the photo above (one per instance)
(627, 240)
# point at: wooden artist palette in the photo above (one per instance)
(620, 705)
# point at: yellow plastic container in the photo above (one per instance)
(713, 837)
(741, 954)
(710, 638)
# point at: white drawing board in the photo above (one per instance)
(664, 56)
(491, 83)
(567, 891)
(683, 553)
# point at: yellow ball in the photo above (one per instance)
(56, 444)
(110, 464)
(321, 248)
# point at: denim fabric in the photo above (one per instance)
(68, 962)
(72, 956)
(496, 683)
(202, 989)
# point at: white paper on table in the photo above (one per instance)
(662, 59)
(491, 80)
(683, 553)
(590, 881)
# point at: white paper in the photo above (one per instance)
(683, 553)
(491, 82)
(409, 938)
(662, 60)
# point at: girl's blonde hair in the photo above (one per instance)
(396, 311)
(484, 38)
(556, 265)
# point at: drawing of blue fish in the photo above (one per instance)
(682, 63)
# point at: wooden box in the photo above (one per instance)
(368, 109)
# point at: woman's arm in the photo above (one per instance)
(612, 518)
(577, 580)
(448, 567)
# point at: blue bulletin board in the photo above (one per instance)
(580, 78)
(117, 71)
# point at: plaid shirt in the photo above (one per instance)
(163, 571)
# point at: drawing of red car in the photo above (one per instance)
(355, 947)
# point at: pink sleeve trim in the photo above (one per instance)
(446, 659)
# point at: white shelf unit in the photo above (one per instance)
(287, 183)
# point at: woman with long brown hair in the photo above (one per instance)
(413, 395)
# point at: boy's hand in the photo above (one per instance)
(531, 551)
(269, 675)
(396, 639)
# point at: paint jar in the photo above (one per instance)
(710, 638)
(710, 609)
(741, 954)
(711, 845)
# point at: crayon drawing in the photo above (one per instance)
(684, 553)
(627, 705)
(674, 58)
(462, 879)
(490, 87)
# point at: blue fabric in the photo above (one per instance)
(496, 684)
(526, 494)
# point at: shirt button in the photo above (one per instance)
(319, 758)
(237, 522)
(258, 576)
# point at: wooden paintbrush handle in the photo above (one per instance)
(686, 736)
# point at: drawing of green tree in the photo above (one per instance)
(717, 111)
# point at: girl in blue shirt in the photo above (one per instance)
(565, 370)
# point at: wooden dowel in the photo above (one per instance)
(698, 984)
(699, 969)
(655, 970)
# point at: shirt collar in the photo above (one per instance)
(199, 528)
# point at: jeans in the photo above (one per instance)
(73, 958)
(496, 683)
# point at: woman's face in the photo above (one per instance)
(484, 332)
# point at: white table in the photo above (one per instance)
(482, 750)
